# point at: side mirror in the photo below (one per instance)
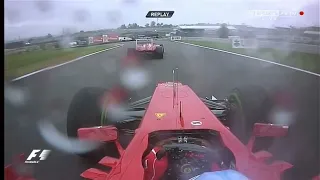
(269, 130)
(99, 133)
(266, 130)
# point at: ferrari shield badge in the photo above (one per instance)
(160, 115)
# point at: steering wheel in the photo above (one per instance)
(213, 154)
(186, 167)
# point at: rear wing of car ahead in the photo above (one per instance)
(144, 41)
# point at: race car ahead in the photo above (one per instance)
(174, 134)
(147, 47)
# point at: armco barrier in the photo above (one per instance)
(175, 38)
(103, 39)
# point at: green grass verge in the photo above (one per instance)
(26, 62)
(306, 61)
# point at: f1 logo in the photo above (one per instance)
(43, 155)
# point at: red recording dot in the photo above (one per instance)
(301, 13)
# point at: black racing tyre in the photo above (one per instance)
(85, 111)
(253, 105)
(160, 56)
(159, 52)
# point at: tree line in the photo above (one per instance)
(147, 25)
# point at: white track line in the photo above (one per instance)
(55, 66)
(250, 57)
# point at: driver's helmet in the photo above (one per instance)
(222, 175)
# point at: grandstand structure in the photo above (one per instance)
(195, 30)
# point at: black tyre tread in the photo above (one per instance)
(84, 110)
(255, 99)
(159, 53)
(255, 107)
(160, 56)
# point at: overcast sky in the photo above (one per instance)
(27, 18)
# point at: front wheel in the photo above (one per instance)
(253, 105)
(85, 111)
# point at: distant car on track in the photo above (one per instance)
(147, 47)
(125, 39)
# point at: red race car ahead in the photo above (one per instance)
(174, 134)
(147, 47)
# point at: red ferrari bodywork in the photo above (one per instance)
(316, 177)
(176, 108)
(10, 171)
(173, 106)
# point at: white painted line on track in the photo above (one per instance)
(55, 66)
(250, 57)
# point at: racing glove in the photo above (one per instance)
(155, 164)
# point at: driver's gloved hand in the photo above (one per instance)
(222, 175)
(155, 164)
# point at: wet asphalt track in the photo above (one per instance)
(206, 71)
